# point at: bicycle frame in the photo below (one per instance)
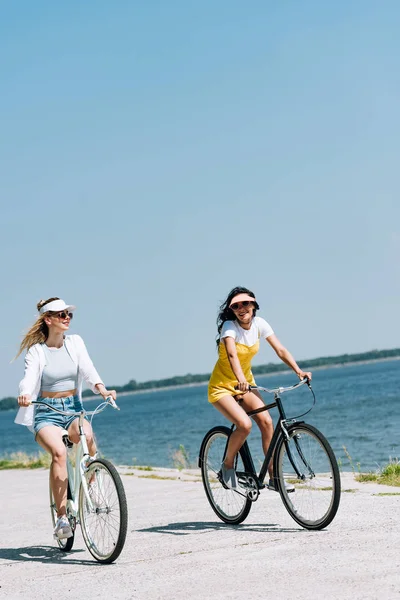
(280, 429)
(82, 458)
(76, 474)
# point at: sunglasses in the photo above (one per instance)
(245, 303)
(63, 315)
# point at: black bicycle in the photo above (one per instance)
(305, 469)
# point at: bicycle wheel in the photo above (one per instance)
(229, 505)
(65, 545)
(103, 527)
(306, 463)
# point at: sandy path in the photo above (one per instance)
(176, 548)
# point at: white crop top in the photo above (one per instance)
(248, 337)
(60, 372)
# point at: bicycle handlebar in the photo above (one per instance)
(280, 390)
(109, 401)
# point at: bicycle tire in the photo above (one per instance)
(65, 545)
(315, 499)
(230, 506)
(109, 518)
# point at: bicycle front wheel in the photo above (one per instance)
(308, 476)
(230, 506)
(105, 525)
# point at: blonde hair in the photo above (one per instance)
(39, 332)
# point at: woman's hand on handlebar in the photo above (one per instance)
(24, 399)
(242, 386)
(103, 391)
(304, 375)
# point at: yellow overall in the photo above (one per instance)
(222, 381)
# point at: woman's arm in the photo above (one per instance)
(286, 357)
(31, 374)
(234, 361)
(105, 392)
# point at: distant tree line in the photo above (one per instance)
(324, 361)
(7, 403)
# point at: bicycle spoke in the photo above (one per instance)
(231, 506)
(307, 464)
(104, 525)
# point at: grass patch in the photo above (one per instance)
(143, 468)
(390, 475)
(155, 477)
(387, 475)
(21, 460)
(350, 491)
(180, 458)
(363, 477)
(387, 494)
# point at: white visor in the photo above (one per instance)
(56, 306)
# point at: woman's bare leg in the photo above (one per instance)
(229, 407)
(50, 438)
(73, 434)
(251, 401)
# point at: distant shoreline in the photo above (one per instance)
(281, 372)
(204, 382)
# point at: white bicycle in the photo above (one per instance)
(95, 498)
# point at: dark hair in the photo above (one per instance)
(227, 314)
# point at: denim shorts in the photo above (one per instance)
(45, 416)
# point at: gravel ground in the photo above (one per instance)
(177, 548)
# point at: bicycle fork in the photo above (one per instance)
(293, 462)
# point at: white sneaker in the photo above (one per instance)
(62, 529)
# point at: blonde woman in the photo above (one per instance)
(56, 365)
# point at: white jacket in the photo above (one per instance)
(35, 361)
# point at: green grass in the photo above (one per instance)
(390, 475)
(143, 468)
(160, 477)
(387, 494)
(387, 475)
(180, 458)
(365, 477)
(21, 460)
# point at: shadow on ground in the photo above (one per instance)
(188, 527)
(44, 554)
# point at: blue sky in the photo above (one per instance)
(154, 155)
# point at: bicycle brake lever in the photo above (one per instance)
(111, 401)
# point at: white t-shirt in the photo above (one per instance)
(248, 337)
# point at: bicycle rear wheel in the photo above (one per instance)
(104, 527)
(307, 463)
(65, 545)
(229, 505)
